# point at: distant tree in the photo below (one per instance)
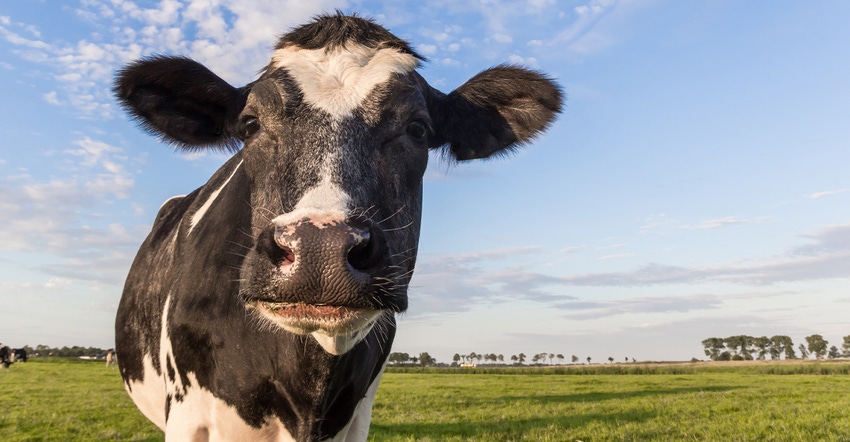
(551, 356)
(501, 358)
(479, 357)
(610, 359)
(817, 345)
(396, 358)
(514, 358)
(627, 359)
(536, 358)
(588, 360)
(574, 358)
(425, 359)
(560, 358)
(804, 354)
(776, 347)
(741, 345)
(762, 344)
(521, 358)
(834, 353)
(713, 347)
(845, 347)
(786, 345)
(471, 357)
(456, 358)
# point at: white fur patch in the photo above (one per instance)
(149, 394)
(197, 216)
(338, 81)
(327, 201)
(341, 343)
(201, 416)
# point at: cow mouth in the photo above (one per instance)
(330, 320)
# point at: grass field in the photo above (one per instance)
(73, 400)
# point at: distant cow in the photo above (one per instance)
(19, 355)
(5, 356)
(261, 306)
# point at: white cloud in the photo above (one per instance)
(51, 98)
(617, 256)
(60, 216)
(458, 282)
(426, 49)
(817, 195)
(234, 40)
(726, 221)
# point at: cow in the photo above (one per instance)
(262, 305)
(19, 354)
(5, 356)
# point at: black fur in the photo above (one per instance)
(332, 31)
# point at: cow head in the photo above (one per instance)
(335, 136)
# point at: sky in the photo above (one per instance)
(696, 184)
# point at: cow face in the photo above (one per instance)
(335, 137)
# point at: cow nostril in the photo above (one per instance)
(366, 254)
(278, 254)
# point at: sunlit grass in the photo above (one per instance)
(732, 405)
(72, 400)
(68, 400)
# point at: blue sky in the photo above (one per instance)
(695, 185)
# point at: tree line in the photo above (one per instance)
(63, 352)
(425, 359)
(744, 348)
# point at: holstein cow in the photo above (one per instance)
(261, 306)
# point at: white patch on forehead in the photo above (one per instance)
(338, 81)
(326, 200)
(196, 218)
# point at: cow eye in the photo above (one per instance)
(250, 125)
(417, 130)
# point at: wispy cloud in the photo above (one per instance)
(455, 283)
(725, 222)
(59, 216)
(234, 41)
(663, 223)
(817, 195)
(641, 305)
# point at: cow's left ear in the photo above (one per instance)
(182, 101)
(494, 112)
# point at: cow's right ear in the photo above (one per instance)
(181, 101)
(494, 112)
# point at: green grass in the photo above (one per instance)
(58, 399)
(72, 400)
(706, 404)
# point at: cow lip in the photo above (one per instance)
(331, 320)
(302, 310)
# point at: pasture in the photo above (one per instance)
(67, 399)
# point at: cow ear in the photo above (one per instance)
(181, 101)
(494, 112)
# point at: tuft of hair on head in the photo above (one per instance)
(332, 31)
